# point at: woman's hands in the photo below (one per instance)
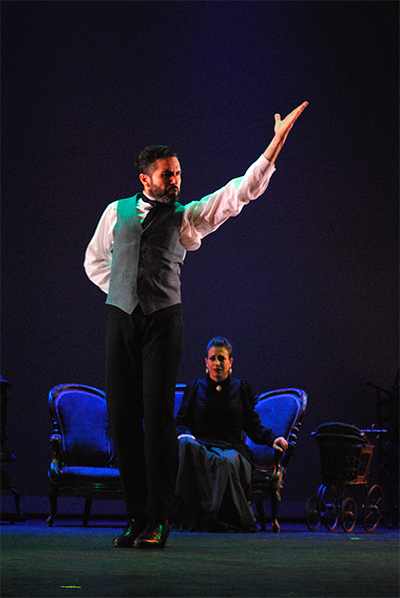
(280, 444)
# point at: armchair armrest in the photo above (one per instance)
(276, 476)
(289, 451)
(55, 441)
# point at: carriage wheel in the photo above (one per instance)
(313, 516)
(348, 514)
(373, 507)
(329, 507)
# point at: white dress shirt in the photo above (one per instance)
(200, 218)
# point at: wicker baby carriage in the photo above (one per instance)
(345, 455)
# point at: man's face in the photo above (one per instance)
(164, 181)
(218, 363)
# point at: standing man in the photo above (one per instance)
(135, 256)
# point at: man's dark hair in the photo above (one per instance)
(150, 154)
(219, 341)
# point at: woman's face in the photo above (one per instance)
(218, 363)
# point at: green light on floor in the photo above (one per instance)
(72, 587)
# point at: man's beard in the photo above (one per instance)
(163, 195)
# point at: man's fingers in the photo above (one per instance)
(300, 108)
(297, 111)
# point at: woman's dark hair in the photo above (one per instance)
(219, 341)
(150, 154)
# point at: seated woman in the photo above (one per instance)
(215, 464)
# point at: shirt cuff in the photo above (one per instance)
(264, 164)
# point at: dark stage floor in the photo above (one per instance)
(71, 561)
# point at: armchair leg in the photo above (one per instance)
(53, 493)
(275, 504)
(261, 515)
(86, 512)
(17, 500)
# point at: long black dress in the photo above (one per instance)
(214, 470)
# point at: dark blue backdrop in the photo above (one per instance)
(304, 282)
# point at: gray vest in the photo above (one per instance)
(146, 263)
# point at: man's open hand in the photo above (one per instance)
(282, 127)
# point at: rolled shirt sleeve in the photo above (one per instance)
(202, 217)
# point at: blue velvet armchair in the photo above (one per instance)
(282, 411)
(83, 462)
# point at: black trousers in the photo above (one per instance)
(142, 361)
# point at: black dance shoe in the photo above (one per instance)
(153, 537)
(133, 528)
